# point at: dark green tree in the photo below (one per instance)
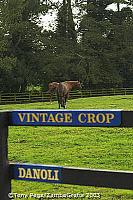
(60, 46)
(121, 37)
(20, 27)
(99, 54)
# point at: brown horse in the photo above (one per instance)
(52, 88)
(63, 91)
(72, 84)
(62, 94)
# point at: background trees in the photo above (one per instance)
(21, 38)
(98, 51)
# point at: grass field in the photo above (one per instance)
(104, 148)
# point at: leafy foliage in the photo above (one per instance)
(98, 50)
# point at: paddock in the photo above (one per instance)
(60, 174)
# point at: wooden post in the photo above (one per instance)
(29, 97)
(125, 91)
(5, 180)
(15, 97)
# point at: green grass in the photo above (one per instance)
(105, 148)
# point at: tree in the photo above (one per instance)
(65, 22)
(61, 46)
(99, 52)
(23, 38)
(122, 39)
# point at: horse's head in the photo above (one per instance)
(78, 85)
(53, 85)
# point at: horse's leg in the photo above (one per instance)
(59, 102)
(58, 99)
(65, 103)
(66, 97)
(51, 97)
